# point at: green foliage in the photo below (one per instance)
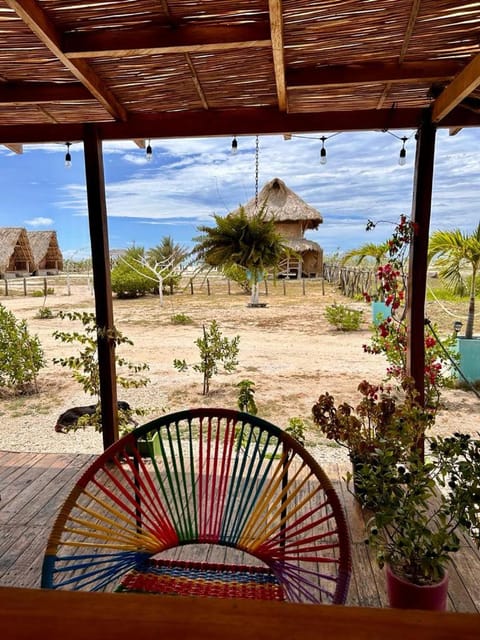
(343, 318)
(181, 318)
(414, 526)
(457, 253)
(40, 293)
(130, 278)
(296, 428)
(21, 354)
(164, 259)
(246, 397)
(215, 350)
(44, 313)
(84, 366)
(250, 242)
(239, 275)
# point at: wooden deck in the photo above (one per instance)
(34, 485)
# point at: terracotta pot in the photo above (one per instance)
(403, 594)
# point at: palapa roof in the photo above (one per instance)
(44, 245)
(14, 241)
(139, 69)
(284, 205)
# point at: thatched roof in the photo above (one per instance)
(15, 250)
(45, 249)
(300, 245)
(284, 205)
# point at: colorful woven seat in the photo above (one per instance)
(218, 480)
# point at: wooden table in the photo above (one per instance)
(61, 615)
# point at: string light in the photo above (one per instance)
(323, 151)
(68, 157)
(402, 158)
(148, 152)
(234, 145)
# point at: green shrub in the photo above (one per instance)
(130, 279)
(343, 318)
(246, 397)
(181, 318)
(40, 293)
(44, 313)
(21, 354)
(296, 428)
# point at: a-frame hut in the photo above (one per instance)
(46, 252)
(293, 216)
(16, 257)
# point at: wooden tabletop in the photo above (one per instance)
(57, 615)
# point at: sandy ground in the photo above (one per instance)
(287, 349)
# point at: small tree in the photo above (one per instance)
(246, 397)
(84, 366)
(215, 350)
(456, 253)
(21, 355)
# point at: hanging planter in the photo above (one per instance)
(403, 594)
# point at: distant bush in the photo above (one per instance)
(130, 279)
(40, 293)
(181, 318)
(22, 355)
(44, 313)
(343, 318)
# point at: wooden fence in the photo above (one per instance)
(42, 286)
(352, 281)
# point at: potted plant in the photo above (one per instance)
(419, 509)
(380, 416)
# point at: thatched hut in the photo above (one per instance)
(16, 257)
(293, 216)
(46, 252)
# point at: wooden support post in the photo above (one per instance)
(417, 271)
(97, 217)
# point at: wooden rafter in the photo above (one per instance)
(276, 30)
(16, 148)
(161, 40)
(412, 18)
(460, 87)
(36, 20)
(196, 81)
(376, 72)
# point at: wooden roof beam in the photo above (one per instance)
(162, 40)
(39, 23)
(42, 92)
(276, 30)
(461, 86)
(376, 72)
(16, 148)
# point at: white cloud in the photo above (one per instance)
(39, 222)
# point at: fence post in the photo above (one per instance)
(284, 287)
(266, 287)
(191, 286)
(228, 286)
(45, 288)
(303, 286)
(6, 287)
(208, 287)
(323, 286)
(24, 286)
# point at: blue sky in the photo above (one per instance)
(190, 179)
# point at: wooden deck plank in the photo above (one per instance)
(33, 486)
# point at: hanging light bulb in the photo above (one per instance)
(148, 152)
(234, 145)
(68, 157)
(323, 151)
(402, 158)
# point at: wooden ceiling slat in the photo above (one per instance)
(460, 87)
(38, 92)
(38, 22)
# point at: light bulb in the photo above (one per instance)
(402, 158)
(68, 157)
(148, 152)
(323, 156)
(234, 146)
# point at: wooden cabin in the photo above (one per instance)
(293, 216)
(46, 252)
(16, 257)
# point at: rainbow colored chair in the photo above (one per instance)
(209, 502)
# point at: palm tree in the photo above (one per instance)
(378, 252)
(251, 243)
(456, 252)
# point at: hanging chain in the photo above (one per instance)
(256, 173)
